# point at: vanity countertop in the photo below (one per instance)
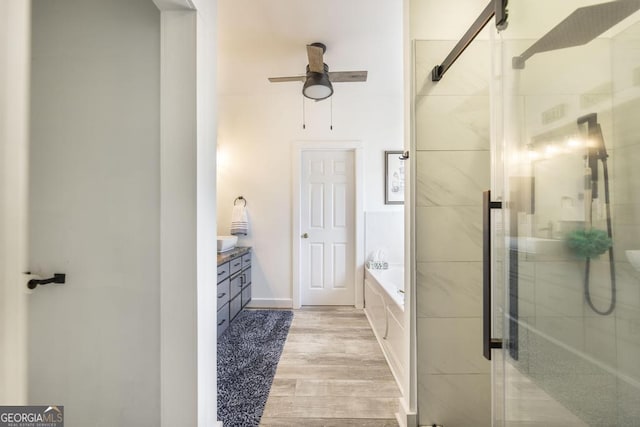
(233, 253)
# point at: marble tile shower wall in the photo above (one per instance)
(452, 170)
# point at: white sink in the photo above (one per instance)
(536, 245)
(544, 248)
(226, 243)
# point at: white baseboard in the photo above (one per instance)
(270, 303)
(405, 417)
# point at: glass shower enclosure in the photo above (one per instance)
(566, 241)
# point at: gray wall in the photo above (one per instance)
(94, 343)
(452, 170)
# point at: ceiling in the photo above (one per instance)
(258, 39)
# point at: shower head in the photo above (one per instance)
(582, 26)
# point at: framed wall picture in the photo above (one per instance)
(393, 178)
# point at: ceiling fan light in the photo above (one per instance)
(317, 86)
(317, 89)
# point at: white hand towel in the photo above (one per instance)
(239, 220)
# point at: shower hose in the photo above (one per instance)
(612, 269)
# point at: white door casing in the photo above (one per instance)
(326, 218)
(14, 118)
(327, 203)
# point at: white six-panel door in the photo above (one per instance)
(327, 223)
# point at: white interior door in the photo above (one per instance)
(327, 223)
(81, 194)
(87, 165)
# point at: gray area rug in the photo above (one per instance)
(248, 354)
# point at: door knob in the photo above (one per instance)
(305, 236)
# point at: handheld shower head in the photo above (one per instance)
(591, 118)
(596, 149)
(594, 133)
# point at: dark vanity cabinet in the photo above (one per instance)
(234, 284)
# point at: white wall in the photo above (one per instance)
(384, 231)
(94, 343)
(259, 121)
(188, 140)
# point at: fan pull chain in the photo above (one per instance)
(304, 126)
(331, 114)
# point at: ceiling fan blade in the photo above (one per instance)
(347, 76)
(316, 63)
(287, 79)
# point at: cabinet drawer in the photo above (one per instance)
(223, 293)
(235, 286)
(235, 265)
(246, 260)
(223, 271)
(247, 277)
(246, 295)
(223, 319)
(235, 305)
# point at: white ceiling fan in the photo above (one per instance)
(318, 79)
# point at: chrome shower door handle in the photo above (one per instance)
(488, 343)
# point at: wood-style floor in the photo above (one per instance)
(331, 373)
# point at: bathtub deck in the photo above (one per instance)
(331, 373)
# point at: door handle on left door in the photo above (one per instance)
(305, 236)
(57, 278)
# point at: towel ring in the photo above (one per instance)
(241, 199)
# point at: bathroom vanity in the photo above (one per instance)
(234, 284)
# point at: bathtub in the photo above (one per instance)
(384, 307)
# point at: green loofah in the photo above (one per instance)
(589, 243)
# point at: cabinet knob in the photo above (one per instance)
(305, 236)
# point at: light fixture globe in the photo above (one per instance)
(317, 86)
